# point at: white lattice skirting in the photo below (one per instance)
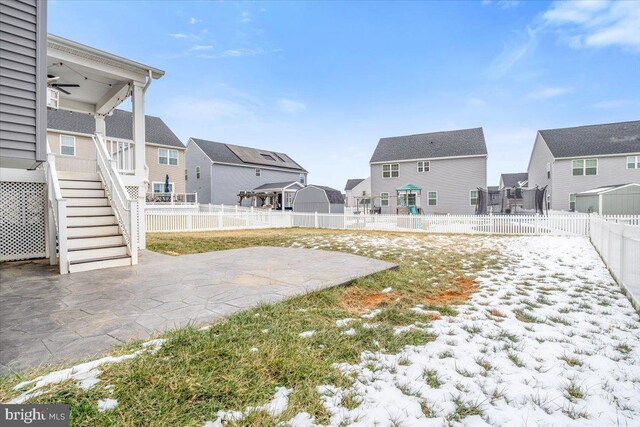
(22, 220)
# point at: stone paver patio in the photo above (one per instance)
(48, 318)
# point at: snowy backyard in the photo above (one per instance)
(516, 331)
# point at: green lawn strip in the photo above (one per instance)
(236, 364)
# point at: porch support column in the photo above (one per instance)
(101, 126)
(138, 128)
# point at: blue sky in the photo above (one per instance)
(324, 81)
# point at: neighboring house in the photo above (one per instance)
(220, 172)
(572, 160)
(448, 167)
(511, 186)
(621, 199)
(494, 204)
(70, 134)
(318, 198)
(356, 188)
(47, 209)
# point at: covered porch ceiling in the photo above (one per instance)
(103, 80)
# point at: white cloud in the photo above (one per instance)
(549, 92)
(199, 47)
(243, 52)
(513, 52)
(502, 4)
(193, 20)
(290, 106)
(178, 35)
(476, 102)
(596, 23)
(245, 17)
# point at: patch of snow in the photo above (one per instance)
(387, 290)
(253, 349)
(107, 404)
(348, 332)
(85, 374)
(306, 334)
(372, 314)
(276, 406)
(340, 323)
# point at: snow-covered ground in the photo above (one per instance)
(548, 340)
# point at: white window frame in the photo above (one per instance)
(635, 161)
(73, 138)
(153, 187)
(302, 178)
(168, 156)
(384, 201)
(574, 201)
(429, 198)
(197, 172)
(471, 197)
(584, 167)
(258, 172)
(391, 167)
(423, 166)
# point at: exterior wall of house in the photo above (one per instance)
(85, 147)
(624, 201)
(357, 191)
(452, 179)
(23, 86)
(158, 172)
(611, 171)
(195, 157)
(228, 180)
(537, 170)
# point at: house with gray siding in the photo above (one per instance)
(355, 189)
(220, 172)
(511, 186)
(573, 160)
(448, 167)
(621, 199)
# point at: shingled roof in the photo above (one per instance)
(220, 152)
(334, 196)
(454, 143)
(593, 140)
(118, 125)
(351, 183)
(510, 180)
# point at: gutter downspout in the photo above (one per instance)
(148, 83)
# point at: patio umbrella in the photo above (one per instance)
(166, 184)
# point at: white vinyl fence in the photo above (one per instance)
(617, 241)
(160, 220)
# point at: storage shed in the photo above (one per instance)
(621, 199)
(318, 198)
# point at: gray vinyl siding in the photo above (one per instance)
(23, 54)
(611, 171)
(625, 201)
(537, 171)
(452, 179)
(312, 199)
(587, 204)
(357, 192)
(195, 157)
(228, 180)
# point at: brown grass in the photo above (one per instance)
(358, 300)
(460, 291)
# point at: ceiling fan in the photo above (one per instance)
(51, 82)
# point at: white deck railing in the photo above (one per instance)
(57, 232)
(172, 198)
(126, 211)
(123, 153)
(160, 221)
(617, 240)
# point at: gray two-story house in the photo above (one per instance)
(220, 172)
(572, 160)
(435, 173)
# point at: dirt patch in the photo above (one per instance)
(496, 313)
(458, 292)
(357, 300)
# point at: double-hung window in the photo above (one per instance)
(391, 170)
(302, 178)
(197, 172)
(633, 162)
(67, 145)
(473, 197)
(258, 172)
(432, 198)
(423, 166)
(384, 199)
(582, 167)
(167, 157)
(572, 202)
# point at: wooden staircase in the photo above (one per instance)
(94, 238)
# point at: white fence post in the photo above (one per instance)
(189, 221)
(315, 220)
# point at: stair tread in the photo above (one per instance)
(89, 226)
(97, 247)
(106, 258)
(95, 237)
(87, 216)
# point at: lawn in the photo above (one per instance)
(474, 329)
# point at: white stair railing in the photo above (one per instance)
(57, 216)
(126, 210)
